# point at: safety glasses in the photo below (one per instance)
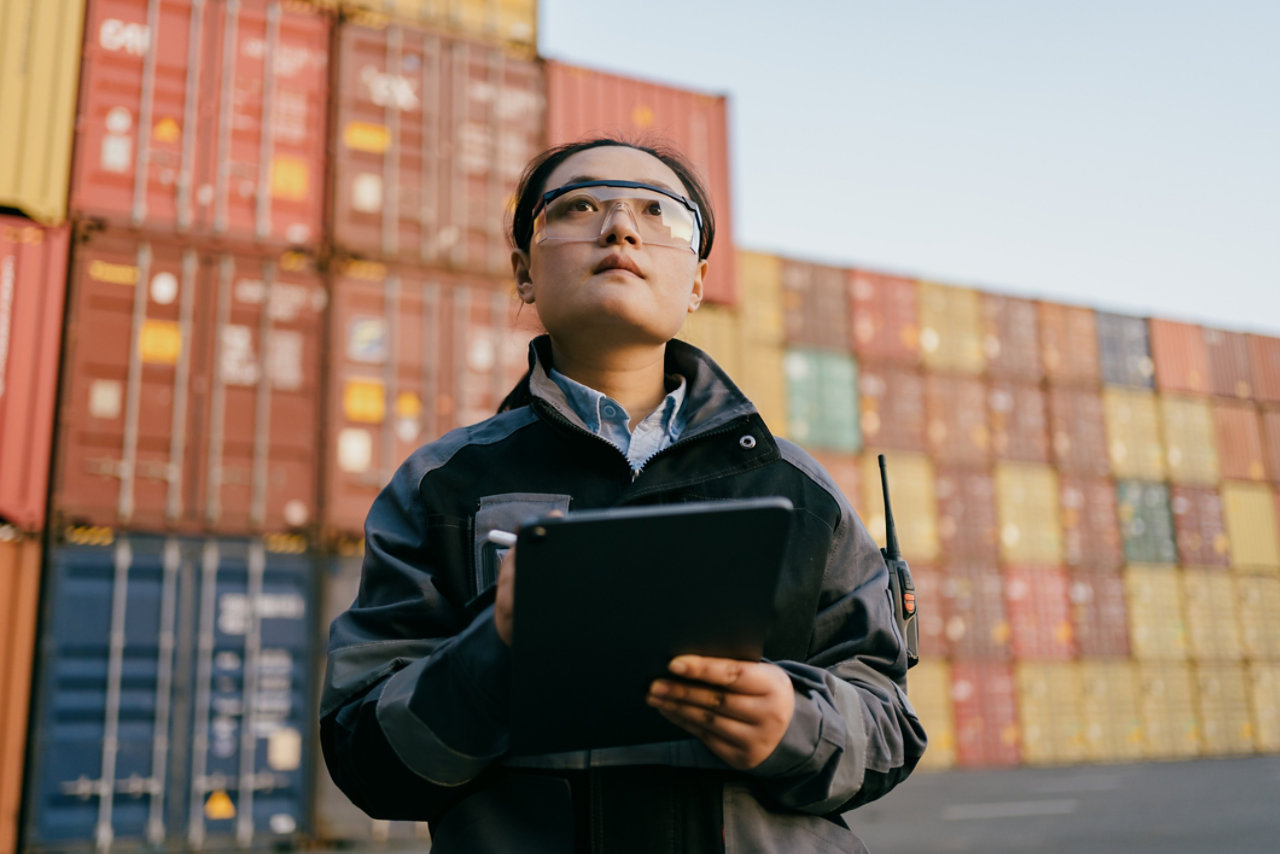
(580, 213)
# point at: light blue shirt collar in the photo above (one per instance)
(607, 418)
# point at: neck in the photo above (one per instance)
(633, 376)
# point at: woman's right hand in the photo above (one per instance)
(504, 604)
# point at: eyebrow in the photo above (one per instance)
(580, 179)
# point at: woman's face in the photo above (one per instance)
(614, 290)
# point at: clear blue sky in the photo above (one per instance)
(1123, 155)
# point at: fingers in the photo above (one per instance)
(505, 598)
(741, 677)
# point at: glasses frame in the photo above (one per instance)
(551, 195)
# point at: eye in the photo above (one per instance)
(653, 208)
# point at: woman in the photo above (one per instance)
(611, 243)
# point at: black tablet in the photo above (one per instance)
(604, 599)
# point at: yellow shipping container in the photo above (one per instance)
(1170, 722)
(1111, 710)
(1190, 443)
(1249, 510)
(915, 506)
(1258, 604)
(718, 330)
(1213, 624)
(763, 379)
(950, 328)
(39, 79)
(1157, 626)
(1051, 712)
(1027, 510)
(760, 297)
(513, 22)
(1226, 723)
(1133, 433)
(1264, 699)
(929, 689)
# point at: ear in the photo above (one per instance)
(520, 269)
(695, 295)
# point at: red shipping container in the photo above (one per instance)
(1271, 442)
(891, 407)
(1099, 613)
(33, 275)
(584, 103)
(957, 427)
(932, 613)
(814, 301)
(1091, 538)
(431, 136)
(885, 317)
(984, 700)
(19, 611)
(1069, 343)
(1019, 423)
(1181, 360)
(1035, 599)
(415, 354)
(1010, 340)
(1227, 353)
(192, 389)
(845, 471)
(1240, 454)
(968, 529)
(977, 625)
(1264, 356)
(1198, 522)
(1078, 431)
(204, 118)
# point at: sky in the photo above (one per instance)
(1123, 155)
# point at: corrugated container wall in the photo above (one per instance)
(1250, 512)
(1113, 721)
(1239, 435)
(814, 306)
(977, 622)
(1228, 355)
(1257, 603)
(957, 429)
(716, 329)
(892, 407)
(1099, 614)
(1069, 343)
(207, 119)
(931, 697)
(19, 607)
(886, 317)
(431, 135)
(1077, 430)
(1036, 601)
(1181, 361)
(1170, 720)
(822, 400)
(984, 697)
(1201, 531)
(1124, 351)
(1146, 522)
(1019, 422)
(33, 275)
(39, 77)
(1091, 538)
(1271, 442)
(513, 23)
(1226, 726)
(967, 526)
(1027, 505)
(911, 484)
(764, 381)
(1213, 626)
(760, 303)
(1264, 356)
(1051, 708)
(1133, 433)
(1009, 339)
(582, 103)
(1157, 622)
(1263, 677)
(1189, 442)
(950, 328)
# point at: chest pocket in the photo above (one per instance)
(505, 512)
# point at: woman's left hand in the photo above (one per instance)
(739, 709)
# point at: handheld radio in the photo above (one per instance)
(902, 588)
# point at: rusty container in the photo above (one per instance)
(204, 118)
(885, 317)
(1264, 357)
(1157, 615)
(950, 328)
(19, 610)
(977, 622)
(1226, 720)
(1029, 514)
(984, 698)
(760, 302)
(1069, 344)
(1036, 600)
(1019, 421)
(1187, 428)
(1124, 351)
(1239, 441)
(1099, 614)
(1146, 522)
(1213, 626)
(1091, 538)
(1180, 358)
(1010, 341)
(956, 409)
(33, 274)
(1051, 710)
(891, 404)
(1230, 374)
(968, 529)
(1251, 515)
(431, 134)
(1077, 431)
(1112, 717)
(1170, 715)
(815, 301)
(584, 103)
(191, 397)
(911, 484)
(1133, 433)
(1199, 525)
(1271, 442)
(1257, 603)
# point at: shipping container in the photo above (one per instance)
(513, 23)
(1264, 357)
(1226, 721)
(585, 103)
(1018, 421)
(204, 118)
(717, 329)
(822, 400)
(891, 401)
(1146, 522)
(911, 488)
(1239, 441)
(1099, 614)
(1189, 440)
(1170, 720)
(957, 430)
(1110, 708)
(1257, 604)
(1030, 519)
(1263, 679)
(175, 695)
(1010, 342)
(1180, 358)
(39, 77)
(1251, 516)
(977, 623)
(950, 328)
(1200, 529)
(191, 394)
(1157, 621)
(1133, 433)
(33, 276)
(1124, 352)
(764, 380)
(985, 702)
(1230, 374)
(929, 686)
(968, 528)
(931, 612)
(760, 297)
(1077, 430)
(1051, 711)
(19, 606)
(413, 354)
(815, 300)
(1213, 626)
(1091, 539)
(1069, 344)
(431, 134)
(1036, 600)
(885, 317)
(1271, 443)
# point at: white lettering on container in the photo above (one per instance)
(116, 35)
(233, 610)
(389, 90)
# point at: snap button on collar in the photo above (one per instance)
(747, 442)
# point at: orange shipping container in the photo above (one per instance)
(1110, 710)
(1226, 723)
(1271, 442)
(814, 301)
(583, 103)
(1213, 626)
(1036, 601)
(967, 525)
(1239, 434)
(977, 623)
(33, 274)
(1051, 710)
(956, 408)
(1069, 344)
(19, 607)
(1228, 356)
(1009, 341)
(1133, 433)
(1157, 623)
(1077, 431)
(892, 408)
(886, 323)
(1099, 615)
(1019, 423)
(1027, 506)
(1251, 515)
(760, 292)
(1264, 356)
(985, 700)
(1170, 721)
(950, 328)
(1198, 522)
(1189, 444)
(1091, 538)
(1181, 361)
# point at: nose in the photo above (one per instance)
(619, 226)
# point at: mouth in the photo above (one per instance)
(619, 262)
